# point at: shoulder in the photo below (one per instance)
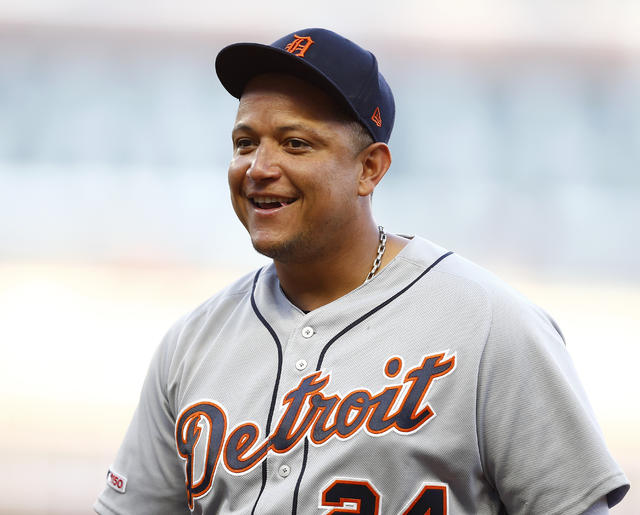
(471, 285)
(221, 302)
(214, 311)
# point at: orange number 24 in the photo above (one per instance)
(357, 496)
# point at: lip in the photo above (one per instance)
(270, 203)
(269, 212)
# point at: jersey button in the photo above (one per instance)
(301, 364)
(308, 332)
(284, 470)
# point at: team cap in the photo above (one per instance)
(344, 70)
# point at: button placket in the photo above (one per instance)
(284, 470)
(307, 332)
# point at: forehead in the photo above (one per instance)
(284, 94)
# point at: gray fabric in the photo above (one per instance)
(510, 431)
(598, 508)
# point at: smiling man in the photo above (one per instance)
(361, 372)
(301, 180)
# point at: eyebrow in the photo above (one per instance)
(283, 128)
(241, 127)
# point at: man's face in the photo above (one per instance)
(294, 174)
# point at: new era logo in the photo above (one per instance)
(377, 119)
(299, 45)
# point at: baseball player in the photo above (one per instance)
(360, 372)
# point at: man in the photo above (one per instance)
(361, 372)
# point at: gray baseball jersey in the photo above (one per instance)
(432, 387)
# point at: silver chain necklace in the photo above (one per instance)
(381, 248)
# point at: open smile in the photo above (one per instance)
(270, 203)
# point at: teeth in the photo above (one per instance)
(271, 200)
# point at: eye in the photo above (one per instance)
(243, 143)
(297, 144)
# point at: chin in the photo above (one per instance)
(277, 251)
(290, 251)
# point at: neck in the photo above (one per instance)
(320, 281)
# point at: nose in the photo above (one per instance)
(263, 166)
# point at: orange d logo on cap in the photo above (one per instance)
(336, 65)
(300, 44)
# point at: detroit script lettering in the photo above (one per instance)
(309, 412)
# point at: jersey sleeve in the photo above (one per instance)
(540, 444)
(148, 478)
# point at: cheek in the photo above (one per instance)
(341, 180)
(235, 176)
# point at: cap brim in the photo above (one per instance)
(237, 64)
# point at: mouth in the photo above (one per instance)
(271, 202)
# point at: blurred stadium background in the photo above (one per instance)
(517, 144)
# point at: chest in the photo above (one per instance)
(296, 411)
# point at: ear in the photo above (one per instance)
(376, 160)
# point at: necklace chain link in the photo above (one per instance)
(382, 246)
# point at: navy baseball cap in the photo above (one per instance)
(344, 70)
